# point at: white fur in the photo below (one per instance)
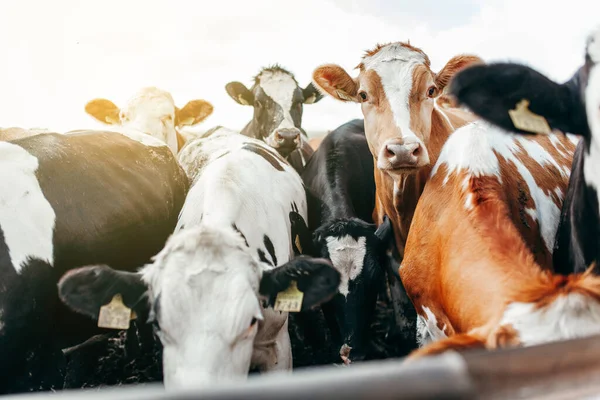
(280, 87)
(26, 217)
(427, 328)
(207, 277)
(395, 65)
(568, 317)
(347, 256)
(472, 149)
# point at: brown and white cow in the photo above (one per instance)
(152, 111)
(478, 264)
(405, 128)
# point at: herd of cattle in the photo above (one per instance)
(494, 228)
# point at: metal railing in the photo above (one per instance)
(563, 370)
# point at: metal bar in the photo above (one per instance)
(442, 377)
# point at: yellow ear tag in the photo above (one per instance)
(524, 119)
(289, 300)
(342, 95)
(297, 242)
(115, 315)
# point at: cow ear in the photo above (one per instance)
(86, 289)
(452, 67)
(240, 93)
(194, 112)
(490, 91)
(315, 277)
(104, 111)
(301, 236)
(311, 94)
(385, 231)
(335, 81)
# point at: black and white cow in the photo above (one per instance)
(340, 184)
(67, 201)
(210, 288)
(277, 101)
(574, 107)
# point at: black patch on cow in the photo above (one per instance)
(262, 257)
(270, 249)
(235, 228)
(261, 151)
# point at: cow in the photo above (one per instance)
(404, 127)
(152, 111)
(13, 133)
(340, 185)
(277, 101)
(68, 201)
(502, 188)
(569, 107)
(210, 290)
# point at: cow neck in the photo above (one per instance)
(398, 198)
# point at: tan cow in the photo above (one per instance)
(405, 129)
(152, 111)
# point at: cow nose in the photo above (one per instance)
(288, 138)
(407, 153)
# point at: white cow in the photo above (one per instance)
(212, 286)
(153, 112)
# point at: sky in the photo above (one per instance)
(55, 55)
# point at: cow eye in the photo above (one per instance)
(431, 92)
(253, 322)
(363, 96)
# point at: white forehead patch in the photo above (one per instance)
(148, 111)
(395, 65)
(26, 217)
(280, 87)
(347, 256)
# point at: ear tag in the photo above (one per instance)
(289, 300)
(115, 315)
(342, 95)
(525, 120)
(242, 100)
(297, 242)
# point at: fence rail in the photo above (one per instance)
(565, 370)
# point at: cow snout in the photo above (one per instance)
(402, 154)
(287, 138)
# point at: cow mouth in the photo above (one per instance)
(286, 150)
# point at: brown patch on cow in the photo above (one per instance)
(548, 287)
(461, 342)
(504, 336)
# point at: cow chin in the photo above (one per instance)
(209, 361)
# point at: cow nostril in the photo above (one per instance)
(389, 153)
(278, 136)
(417, 151)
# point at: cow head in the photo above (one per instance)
(205, 294)
(152, 111)
(277, 100)
(396, 89)
(358, 251)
